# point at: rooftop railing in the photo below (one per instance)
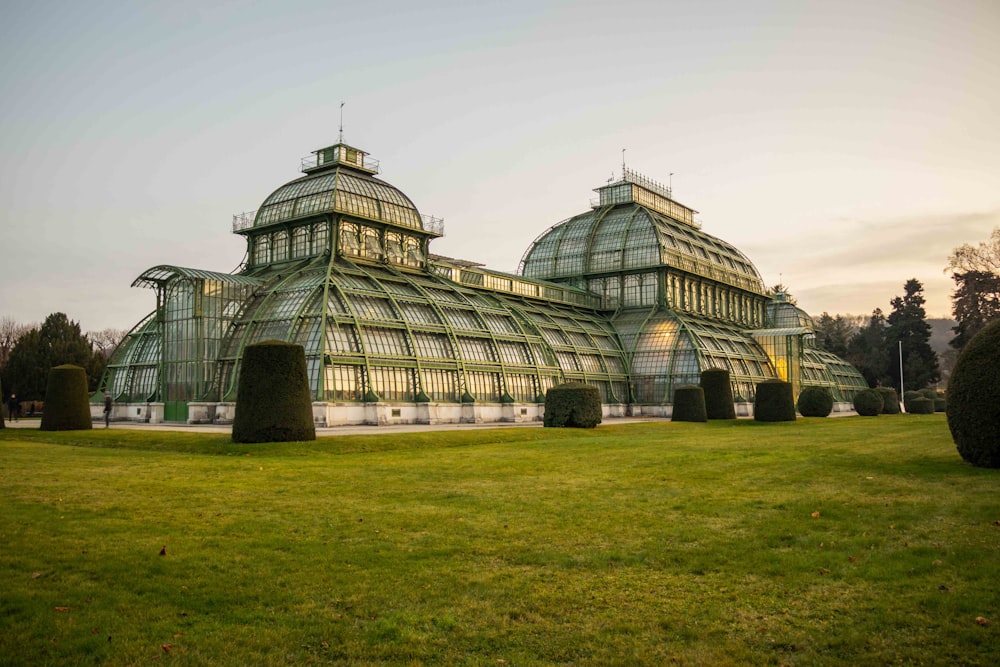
(312, 161)
(432, 224)
(243, 220)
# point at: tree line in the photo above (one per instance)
(873, 344)
(28, 351)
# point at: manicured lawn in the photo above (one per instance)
(854, 541)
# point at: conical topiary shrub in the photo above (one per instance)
(573, 404)
(689, 404)
(815, 402)
(273, 403)
(67, 403)
(973, 406)
(890, 400)
(868, 403)
(718, 390)
(774, 402)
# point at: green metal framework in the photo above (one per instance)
(631, 296)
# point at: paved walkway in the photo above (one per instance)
(355, 429)
(332, 430)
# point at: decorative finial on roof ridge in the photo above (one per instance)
(340, 137)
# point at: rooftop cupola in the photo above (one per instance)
(339, 155)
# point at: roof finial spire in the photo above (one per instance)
(340, 138)
(623, 164)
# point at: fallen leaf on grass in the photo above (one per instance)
(62, 608)
(163, 551)
(166, 647)
(852, 559)
(35, 575)
(815, 515)
(982, 621)
(823, 570)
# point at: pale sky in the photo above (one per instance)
(844, 146)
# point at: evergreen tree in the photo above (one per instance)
(56, 342)
(834, 333)
(908, 326)
(976, 299)
(975, 303)
(866, 350)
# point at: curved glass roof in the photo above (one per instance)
(670, 349)
(163, 274)
(342, 190)
(370, 331)
(783, 314)
(631, 236)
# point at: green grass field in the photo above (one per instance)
(854, 541)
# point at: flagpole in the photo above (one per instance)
(901, 392)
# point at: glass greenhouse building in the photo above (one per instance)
(630, 296)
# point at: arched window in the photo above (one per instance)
(280, 250)
(262, 249)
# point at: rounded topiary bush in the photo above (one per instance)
(774, 402)
(815, 402)
(920, 406)
(940, 404)
(890, 400)
(689, 404)
(929, 392)
(574, 405)
(273, 402)
(974, 399)
(868, 403)
(718, 391)
(911, 395)
(67, 403)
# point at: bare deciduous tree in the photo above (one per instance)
(983, 258)
(105, 340)
(10, 331)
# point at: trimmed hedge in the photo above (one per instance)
(868, 403)
(890, 400)
(940, 404)
(67, 403)
(774, 402)
(718, 391)
(929, 392)
(974, 399)
(689, 404)
(815, 402)
(273, 402)
(911, 395)
(920, 406)
(573, 405)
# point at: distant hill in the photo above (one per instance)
(941, 334)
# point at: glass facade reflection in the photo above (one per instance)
(630, 296)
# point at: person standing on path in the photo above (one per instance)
(107, 410)
(13, 408)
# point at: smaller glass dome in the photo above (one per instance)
(339, 179)
(783, 314)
